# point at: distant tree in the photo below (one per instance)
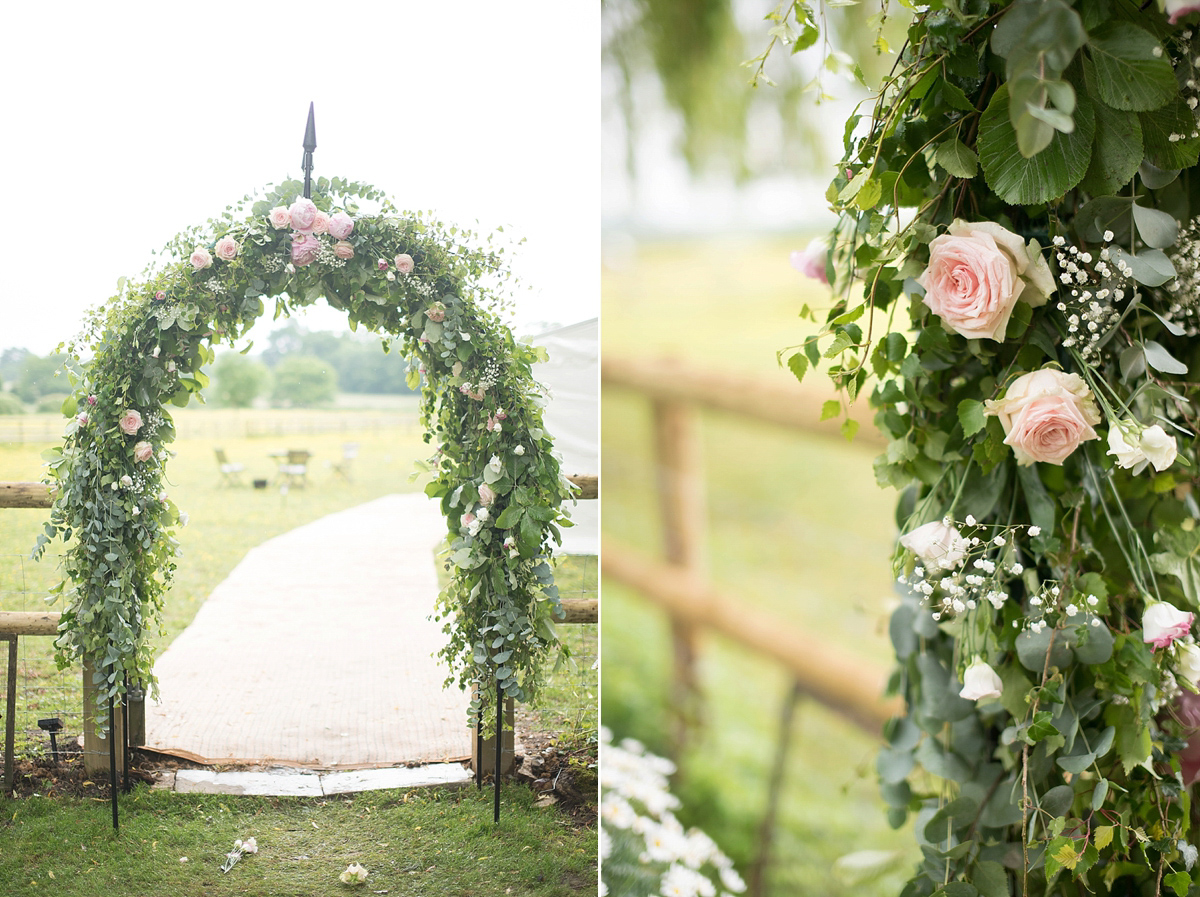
(37, 377)
(12, 360)
(361, 364)
(10, 404)
(238, 380)
(304, 381)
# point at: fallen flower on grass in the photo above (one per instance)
(240, 848)
(354, 874)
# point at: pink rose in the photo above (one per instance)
(201, 258)
(340, 225)
(321, 223)
(226, 248)
(939, 545)
(160, 295)
(143, 451)
(487, 495)
(130, 422)
(404, 263)
(279, 218)
(436, 312)
(811, 262)
(1162, 623)
(1177, 9)
(977, 271)
(1187, 712)
(91, 400)
(343, 250)
(82, 418)
(382, 264)
(1046, 414)
(303, 215)
(467, 519)
(304, 249)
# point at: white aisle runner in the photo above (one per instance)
(317, 650)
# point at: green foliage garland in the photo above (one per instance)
(1015, 270)
(425, 286)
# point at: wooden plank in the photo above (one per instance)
(28, 623)
(581, 610)
(843, 684)
(25, 495)
(588, 483)
(774, 400)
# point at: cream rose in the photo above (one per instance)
(980, 681)
(1163, 623)
(404, 263)
(226, 248)
(201, 258)
(340, 225)
(320, 223)
(1159, 448)
(1046, 414)
(940, 546)
(977, 272)
(130, 422)
(487, 495)
(279, 217)
(143, 451)
(343, 249)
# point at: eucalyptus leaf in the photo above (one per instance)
(1161, 360)
(1150, 267)
(1158, 229)
(1032, 648)
(1156, 178)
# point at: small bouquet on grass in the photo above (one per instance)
(240, 849)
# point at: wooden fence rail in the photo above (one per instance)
(677, 393)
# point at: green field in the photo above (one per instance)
(421, 842)
(796, 527)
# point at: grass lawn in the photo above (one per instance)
(439, 841)
(796, 526)
(416, 842)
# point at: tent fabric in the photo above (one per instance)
(572, 417)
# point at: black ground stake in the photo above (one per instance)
(479, 750)
(499, 746)
(112, 763)
(126, 787)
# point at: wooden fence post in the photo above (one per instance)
(681, 502)
(95, 745)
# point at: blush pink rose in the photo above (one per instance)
(226, 248)
(130, 422)
(1177, 9)
(977, 272)
(279, 218)
(487, 495)
(304, 249)
(404, 263)
(436, 312)
(303, 215)
(1046, 415)
(143, 451)
(343, 249)
(811, 262)
(1163, 623)
(201, 258)
(340, 225)
(321, 223)
(82, 418)
(1187, 712)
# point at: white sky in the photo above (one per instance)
(125, 123)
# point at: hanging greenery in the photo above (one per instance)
(429, 288)
(1015, 272)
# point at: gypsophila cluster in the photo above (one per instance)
(1093, 286)
(643, 847)
(1184, 290)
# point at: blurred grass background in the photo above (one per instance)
(796, 527)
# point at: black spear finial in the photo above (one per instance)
(310, 144)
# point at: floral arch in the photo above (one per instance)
(436, 296)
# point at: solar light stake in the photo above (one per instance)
(112, 764)
(54, 725)
(499, 746)
(310, 144)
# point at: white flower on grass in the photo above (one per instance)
(354, 874)
(250, 845)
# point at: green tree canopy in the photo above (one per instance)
(239, 380)
(304, 381)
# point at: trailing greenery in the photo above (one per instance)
(432, 292)
(1014, 268)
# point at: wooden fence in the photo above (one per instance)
(678, 582)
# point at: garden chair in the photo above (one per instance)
(231, 471)
(349, 453)
(294, 469)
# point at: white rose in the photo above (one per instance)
(496, 464)
(1163, 623)
(940, 546)
(980, 681)
(1177, 9)
(1128, 454)
(1189, 663)
(1159, 448)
